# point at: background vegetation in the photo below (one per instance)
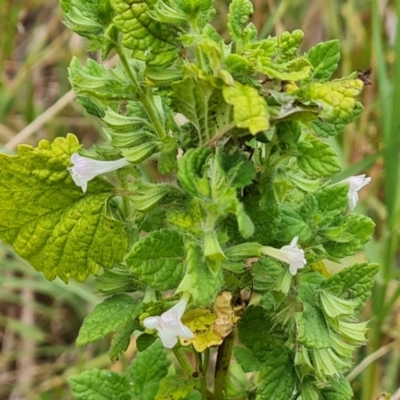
(39, 320)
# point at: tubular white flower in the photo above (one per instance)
(169, 325)
(290, 254)
(85, 169)
(356, 183)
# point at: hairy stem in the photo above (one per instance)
(143, 95)
(222, 367)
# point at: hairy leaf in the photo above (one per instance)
(353, 282)
(158, 259)
(278, 376)
(107, 317)
(98, 384)
(150, 40)
(47, 219)
(249, 108)
(324, 58)
(317, 159)
(148, 368)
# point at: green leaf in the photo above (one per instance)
(47, 219)
(293, 70)
(317, 159)
(144, 341)
(151, 41)
(353, 282)
(175, 388)
(249, 108)
(199, 281)
(100, 385)
(336, 99)
(121, 339)
(288, 43)
(202, 104)
(293, 223)
(258, 333)
(288, 133)
(98, 82)
(312, 329)
(190, 167)
(92, 20)
(332, 201)
(107, 317)
(148, 368)
(278, 376)
(239, 13)
(115, 281)
(137, 154)
(353, 232)
(247, 360)
(167, 161)
(326, 129)
(337, 390)
(324, 58)
(157, 259)
(239, 170)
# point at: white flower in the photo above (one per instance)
(169, 325)
(355, 184)
(85, 169)
(290, 254)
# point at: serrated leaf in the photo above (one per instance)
(247, 360)
(115, 281)
(202, 104)
(175, 388)
(150, 40)
(316, 158)
(249, 108)
(332, 201)
(107, 317)
(324, 58)
(202, 284)
(98, 82)
(336, 99)
(239, 170)
(355, 231)
(239, 13)
(190, 167)
(148, 368)
(293, 70)
(278, 376)
(121, 339)
(326, 129)
(100, 385)
(137, 154)
(256, 333)
(293, 224)
(92, 20)
(157, 259)
(288, 43)
(288, 133)
(337, 390)
(47, 219)
(312, 329)
(353, 282)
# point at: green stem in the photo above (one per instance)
(184, 362)
(202, 376)
(143, 95)
(222, 367)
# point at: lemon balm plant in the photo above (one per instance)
(208, 213)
